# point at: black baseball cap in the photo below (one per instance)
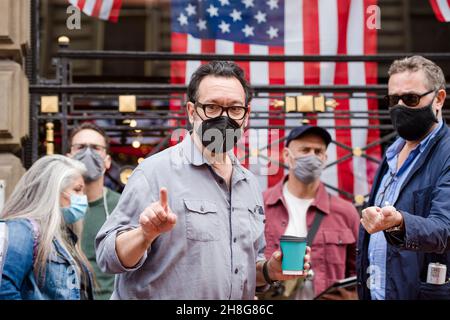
(307, 129)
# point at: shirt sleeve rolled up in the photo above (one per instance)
(136, 196)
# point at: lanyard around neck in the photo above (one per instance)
(105, 203)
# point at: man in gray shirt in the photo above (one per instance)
(190, 222)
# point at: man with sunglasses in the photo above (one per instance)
(190, 222)
(406, 228)
(90, 145)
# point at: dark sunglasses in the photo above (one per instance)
(410, 99)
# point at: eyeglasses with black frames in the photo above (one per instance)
(212, 110)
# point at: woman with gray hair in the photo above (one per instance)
(44, 215)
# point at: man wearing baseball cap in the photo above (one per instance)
(300, 206)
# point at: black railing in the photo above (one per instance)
(168, 56)
(63, 86)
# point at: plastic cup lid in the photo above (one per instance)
(292, 238)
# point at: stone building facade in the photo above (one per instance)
(14, 93)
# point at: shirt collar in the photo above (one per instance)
(195, 157)
(239, 172)
(397, 146)
(424, 143)
(321, 199)
(277, 192)
(191, 152)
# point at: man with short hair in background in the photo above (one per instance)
(90, 145)
(299, 205)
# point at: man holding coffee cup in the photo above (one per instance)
(300, 206)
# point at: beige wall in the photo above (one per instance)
(14, 97)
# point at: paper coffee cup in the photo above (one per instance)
(294, 250)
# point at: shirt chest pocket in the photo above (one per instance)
(336, 243)
(249, 220)
(202, 220)
(257, 220)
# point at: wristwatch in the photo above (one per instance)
(266, 273)
(396, 228)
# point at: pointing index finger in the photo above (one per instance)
(163, 198)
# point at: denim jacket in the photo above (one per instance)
(61, 281)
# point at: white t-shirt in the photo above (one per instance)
(297, 209)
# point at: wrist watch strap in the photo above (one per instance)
(266, 273)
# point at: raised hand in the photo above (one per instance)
(157, 217)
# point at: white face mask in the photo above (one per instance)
(307, 169)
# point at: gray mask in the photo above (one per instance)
(308, 169)
(94, 164)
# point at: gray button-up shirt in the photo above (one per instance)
(219, 236)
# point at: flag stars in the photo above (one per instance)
(190, 9)
(182, 19)
(224, 27)
(248, 31)
(248, 3)
(273, 4)
(213, 11)
(272, 32)
(201, 24)
(250, 20)
(260, 17)
(236, 15)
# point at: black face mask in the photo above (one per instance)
(412, 124)
(219, 134)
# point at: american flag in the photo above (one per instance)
(289, 27)
(103, 9)
(441, 9)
